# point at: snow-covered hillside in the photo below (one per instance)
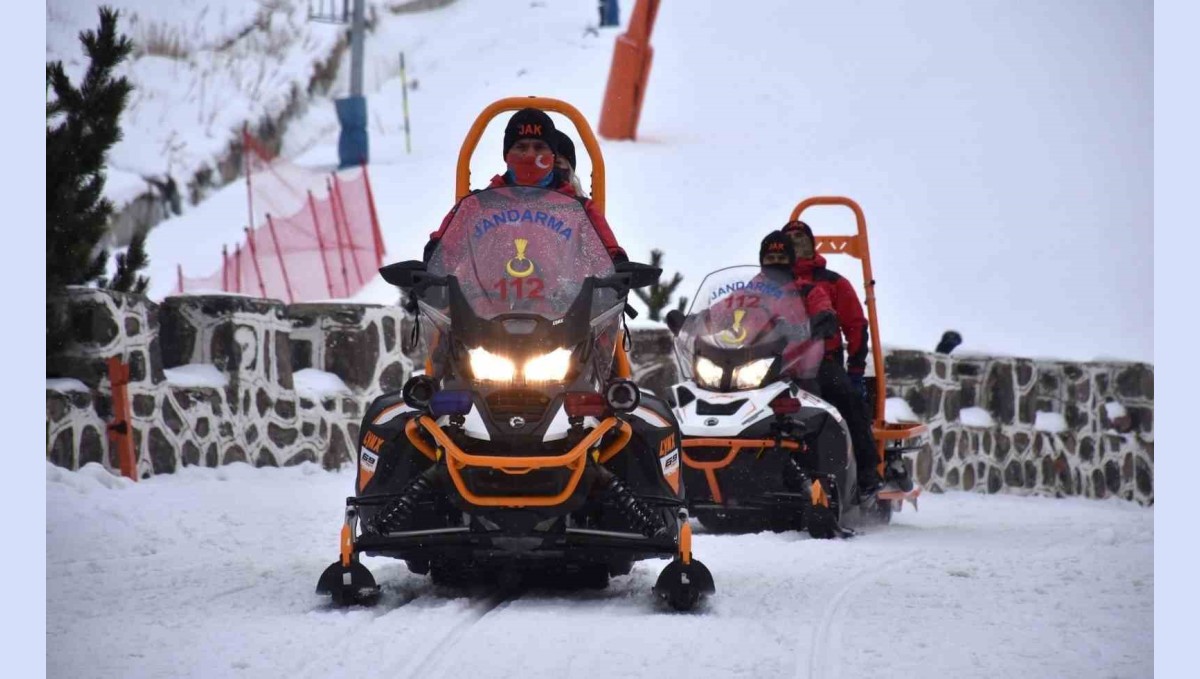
(210, 573)
(1002, 152)
(200, 69)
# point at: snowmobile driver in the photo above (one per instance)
(531, 145)
(777, 256)
(843, 386)
(530, 152)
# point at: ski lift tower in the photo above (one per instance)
(351, 110)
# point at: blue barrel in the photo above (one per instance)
(610, 15)
(352, 142)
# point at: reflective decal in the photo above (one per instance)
(670, 463)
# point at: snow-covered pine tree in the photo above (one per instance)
(82, 124)
(131, 261)
(659, 296)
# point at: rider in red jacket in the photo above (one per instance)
(810, 268)
(530, 140)
(844, 387)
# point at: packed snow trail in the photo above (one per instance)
(211, 572)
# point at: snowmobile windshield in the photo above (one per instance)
(746, 327)
(524, 267)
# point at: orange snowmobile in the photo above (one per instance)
(524, 450)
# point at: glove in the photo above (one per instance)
(824, 325)
(859, 383)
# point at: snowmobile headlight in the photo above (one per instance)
(750, 375)
(488, 366)
(549, 367)
(708, 374)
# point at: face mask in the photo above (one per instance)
(804, 247)
(777, 271)
(530, 170)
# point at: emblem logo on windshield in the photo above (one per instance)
(737, 333)
(514, 266)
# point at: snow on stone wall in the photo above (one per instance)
(1051, 432)
(256, 414)
(997, 424)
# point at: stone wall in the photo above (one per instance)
(1082, 451)
(997, 424)
(256, 415)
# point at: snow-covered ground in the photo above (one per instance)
(210, 573)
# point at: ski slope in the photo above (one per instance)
(1001, 151)
(211, 572)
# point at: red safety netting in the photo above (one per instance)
(312, 236)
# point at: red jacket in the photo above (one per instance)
(598, 221)
(816, 299)
(849, 311)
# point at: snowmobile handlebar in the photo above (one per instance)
(463, 183)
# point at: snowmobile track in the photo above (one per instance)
(432, 664)
(820, 655)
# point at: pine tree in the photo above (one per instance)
(659, 296)
(131, 261)
(81, 126)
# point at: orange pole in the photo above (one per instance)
(856, 246)
(627, 77)
(246, 150)
(262, 287)
(287, 283)
(237, 262)
(312, 208)
(120, 430)
(463, 179)
(375, 231)
(341, 208)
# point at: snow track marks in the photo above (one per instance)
(434, 663)
(824, 646)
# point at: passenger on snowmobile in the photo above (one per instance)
(844, 387)
(530, 143)
(564, 161)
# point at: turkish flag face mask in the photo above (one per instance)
(530, 169)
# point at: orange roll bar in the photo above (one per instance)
(463, 184)
(856, 246)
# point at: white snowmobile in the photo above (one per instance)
(760, 449)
